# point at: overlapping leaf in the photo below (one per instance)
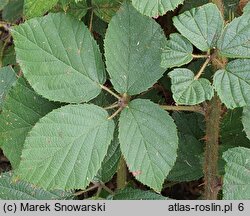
(106, 9)
(136, 194)
(187, 90)
(233, 83)
(59, 58)
(133, 46)
(177, 51)
(111, 161)
(65, 149)
(22, 109)
(155, 8)
(234, 42)
(13, 10)
(236, 185)
(34, 8)
(187, 166)
(7, 79)
(149, 141)
(21, 190)
(202, 26)
(246, 120)
(232, 130)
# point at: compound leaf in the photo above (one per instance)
(177, 52)
(202, 26)
(60, 58)
(12, 189)
(133, 46)
(233, 83)
(155, 8)
(246, 121)
(187, 90)
(136, 194)
(22, 109)
(34, 8)
(149, 141)
(65, 149)
(7, 79)
(236, 185)
(234, 42)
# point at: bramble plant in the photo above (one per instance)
(153, 106)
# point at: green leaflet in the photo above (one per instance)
(133, 46)
(12, 189)
(59, 58)
(106, 9)
(177, 51)
(190, 124)
(155, 8)
(3, 3)
(136, 194)
(202, 26)
(35, 8)
(234, 42)
(246, 121)
(75, 9)
(236, 185)
(65, 149)
(22, 109)
(233, 83)
(186, 90)
(149, 141)
(13, 10)
(232, 130)
(187, 166)
(7, 79)
(111, 160)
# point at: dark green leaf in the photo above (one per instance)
(155, 8)
(136, 194)
(35, 8)
(187, 166)
(236, 184)
(13, 10)
(149, 141)
(12, 189)
(234, 42)
(202, 26)
(106, 9)
(60, 58)
(233, 83)
(22, 109)
(65, 149)
(177, 52)
(188, 90)
(7, 79)
(133, 48)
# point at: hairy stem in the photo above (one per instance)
(202, 68)
(212, 184)
(198, 109)
(211, 178)
(110, 92)
(121, 174)
(199, 56)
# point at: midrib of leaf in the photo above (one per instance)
(55, 57)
